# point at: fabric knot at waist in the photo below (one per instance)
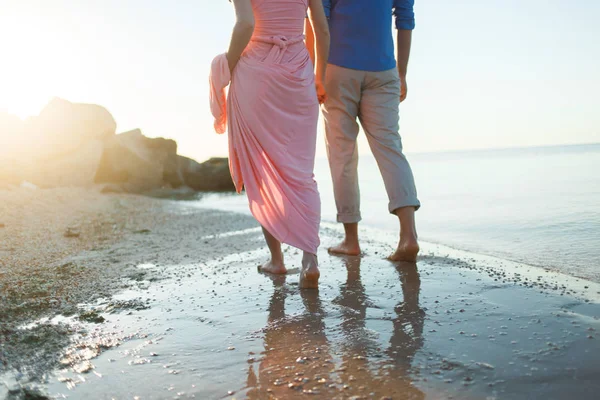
(280, 44)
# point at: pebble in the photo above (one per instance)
(72, 232)
(11, 384)
(311, 392)
(485, 365)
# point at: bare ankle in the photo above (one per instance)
(309, 276)
(409, 238)
(277, 261)
(309, 260)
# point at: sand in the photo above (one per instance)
(162, 299)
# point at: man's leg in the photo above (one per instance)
(379, 118)
(341, 129)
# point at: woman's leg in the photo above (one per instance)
(309, 276)
(275, 265)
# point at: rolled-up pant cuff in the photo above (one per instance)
(349, 218)
(406, 202)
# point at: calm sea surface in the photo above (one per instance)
(540, 206)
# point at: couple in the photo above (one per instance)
(272, 112)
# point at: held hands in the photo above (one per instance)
(321, 92)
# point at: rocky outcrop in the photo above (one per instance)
(62, 146)
(139, 163)
(62, 128)
(212, 175)
(72, 144)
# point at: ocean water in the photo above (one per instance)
(539, 206)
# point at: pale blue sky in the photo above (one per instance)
(495, 73)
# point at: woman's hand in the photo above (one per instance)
(320, 27)
(321, 92)
(231, 63)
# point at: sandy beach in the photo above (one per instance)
(121, 296)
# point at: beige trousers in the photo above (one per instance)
(373, 98)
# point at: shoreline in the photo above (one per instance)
(390, 235)
(182, 310)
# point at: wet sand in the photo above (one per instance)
(191, 317)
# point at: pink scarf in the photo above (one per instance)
(219, 79)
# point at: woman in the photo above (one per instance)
(272, 114)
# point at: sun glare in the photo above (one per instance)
(29, 71)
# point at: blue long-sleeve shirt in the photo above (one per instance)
(361, 31)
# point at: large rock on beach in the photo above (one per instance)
(71, 144)
(63, 127)
(76, 168)
(61, 146)
(138, 163)
(211, 175)
(128, 162)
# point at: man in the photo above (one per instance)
(365, 82)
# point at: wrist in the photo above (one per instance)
(230, 61)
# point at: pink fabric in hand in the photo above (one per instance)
(218, 80)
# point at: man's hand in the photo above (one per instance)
(404, 42)
(403, 88)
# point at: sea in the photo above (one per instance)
(538, 206)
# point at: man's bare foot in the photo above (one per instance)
(346, 248)
(309, 276)
(271, 267)
(407, 251)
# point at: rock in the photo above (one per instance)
(83, 367)
(77, 168)
(138, 163)
(76, 145)
(72, 232)
(212, 175)
(11, 384)
(91, 316)
(63, 127)
(125, 163)
(62, 146)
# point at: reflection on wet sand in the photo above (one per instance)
(300, 359)
(365, 371)
(407, 337)
(296, 358)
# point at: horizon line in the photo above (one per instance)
(483, 149)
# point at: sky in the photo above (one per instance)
(483, 74)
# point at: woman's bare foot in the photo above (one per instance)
(407, 251)
(346, 248)
(309, 276)
(271, 267)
